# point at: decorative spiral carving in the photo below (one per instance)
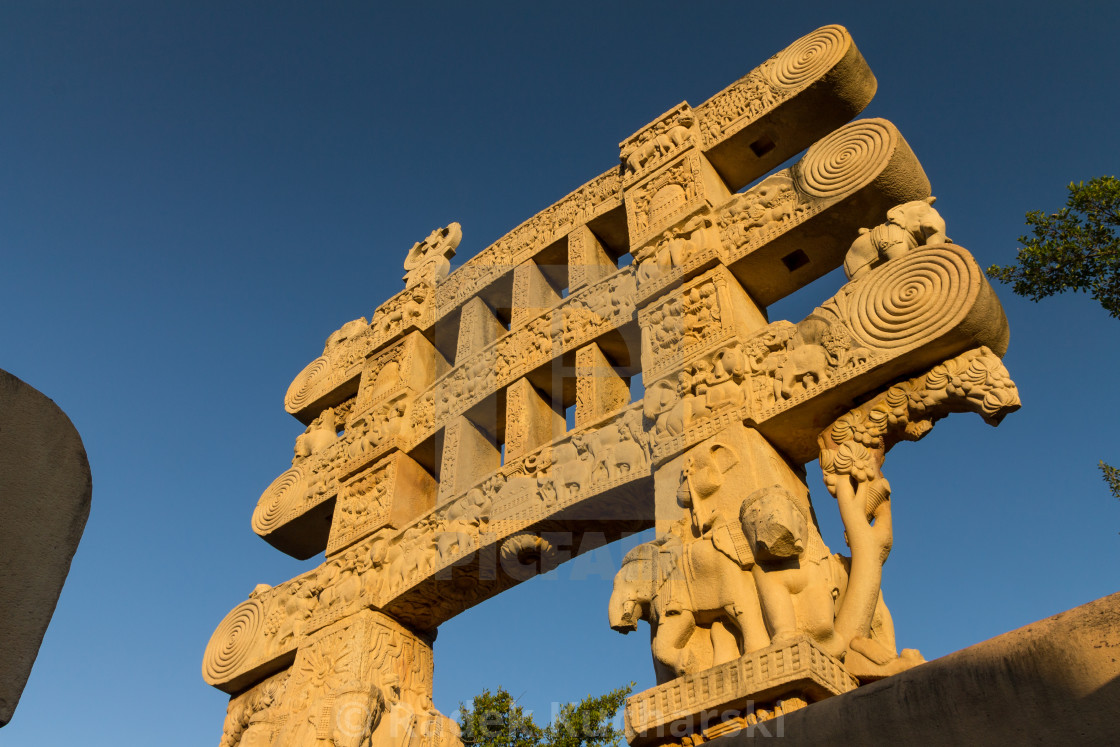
(916, 297)
(846, 159)
(809, 57)
(278, 500)
(525, 555)
(232, 641)
(304, 386)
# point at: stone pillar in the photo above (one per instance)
(588, 262)
(469, 454)
(478, 327)
(532, 293)
(532, 420)
(366, 679)
(599, 388)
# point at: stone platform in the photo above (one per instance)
(760, 685)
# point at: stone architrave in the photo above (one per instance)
(401, 475)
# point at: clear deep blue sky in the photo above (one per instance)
(193, 195)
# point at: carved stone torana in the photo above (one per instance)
(438, 469)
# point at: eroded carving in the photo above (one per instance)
(429, 261)
(665, 137)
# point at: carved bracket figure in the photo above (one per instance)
(852, 451)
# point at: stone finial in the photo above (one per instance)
(428, 261)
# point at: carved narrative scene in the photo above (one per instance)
(466, 435)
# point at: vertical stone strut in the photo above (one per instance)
(437, 468)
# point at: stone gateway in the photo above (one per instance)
(481, 423)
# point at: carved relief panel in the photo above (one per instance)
(681, 187)
(392, 492)
(688, 321)
(666, 137)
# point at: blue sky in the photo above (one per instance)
(194, 195)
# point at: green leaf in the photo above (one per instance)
(1074, 249)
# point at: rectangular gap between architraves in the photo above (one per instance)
(762, 146)
(795, 260)
(625, 259)
(637, 388)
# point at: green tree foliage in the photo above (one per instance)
(495, 720)
(1076, 248)
(1112, 477)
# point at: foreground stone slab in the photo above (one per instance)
(45, 490)
(1056, 681)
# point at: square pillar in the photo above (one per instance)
(532, 420)
(532, 293)
(588, 262)
(469, 454)
(478, 327)
(599, 388)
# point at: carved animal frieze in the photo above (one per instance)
(592, 199)
(663, 138)
(753, 216)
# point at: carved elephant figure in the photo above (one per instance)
(805, 357)
(613, 452)
(673, 138)
(798, 365)
(636, 158)
(660, 406)
(569, 472)
(677, 588)
(920, 220)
